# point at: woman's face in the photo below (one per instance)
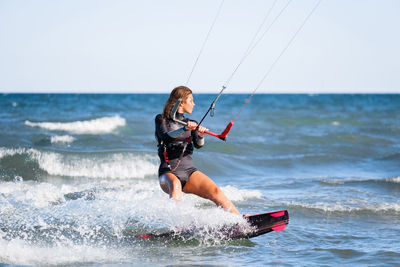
(187, 105)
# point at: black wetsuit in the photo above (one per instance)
(172, 139)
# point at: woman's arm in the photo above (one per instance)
(162, 130)
(197, 134)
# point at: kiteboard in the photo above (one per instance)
(257, 225)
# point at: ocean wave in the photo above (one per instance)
(102, 125)
(392, 157)
(22, 252)
(62, 139)
(239, 195)
(234, 194)
(11, 151)
(347, 208)
(116, 165)
(36, 195)
(41, 217)
(395, 180)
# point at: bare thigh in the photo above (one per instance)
(202, 185)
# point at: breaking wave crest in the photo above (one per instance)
(390, 180)
(382, 207)
(102, 125)
(236, 194)
(394, 180)
(20, 252)
(62, 139)
(114, 165)
(84, 218)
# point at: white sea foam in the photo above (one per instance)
(342, 181)
(92, 165)
(115, 166)
(102, 125)
(116, 208)
(394, 179)
(238, 195)
(353, 179)
(333, 181)
(348, 208)
(36, 194)
(62, 139)
(11, 151)
(21, 252)
(29, 208)
(83, 217)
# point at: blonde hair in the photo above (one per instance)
(180, 92)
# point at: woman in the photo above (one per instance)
(175, 148)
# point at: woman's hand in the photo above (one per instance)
(201, 131)
(191, 125)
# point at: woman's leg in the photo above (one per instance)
(202, 185)
(171, 185)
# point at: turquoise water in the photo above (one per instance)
(78, 180)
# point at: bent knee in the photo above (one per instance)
(176, 183)
(216, 190)
(216, 193)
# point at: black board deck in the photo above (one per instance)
(259, 224)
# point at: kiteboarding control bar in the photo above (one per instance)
(221, 136)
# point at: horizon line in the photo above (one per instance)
(226, 93)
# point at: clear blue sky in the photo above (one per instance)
(151, 46)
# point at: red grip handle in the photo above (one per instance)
(224, 134)
(211, 133)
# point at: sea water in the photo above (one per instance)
(78, 181)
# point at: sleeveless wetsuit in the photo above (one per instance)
(172, 138)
